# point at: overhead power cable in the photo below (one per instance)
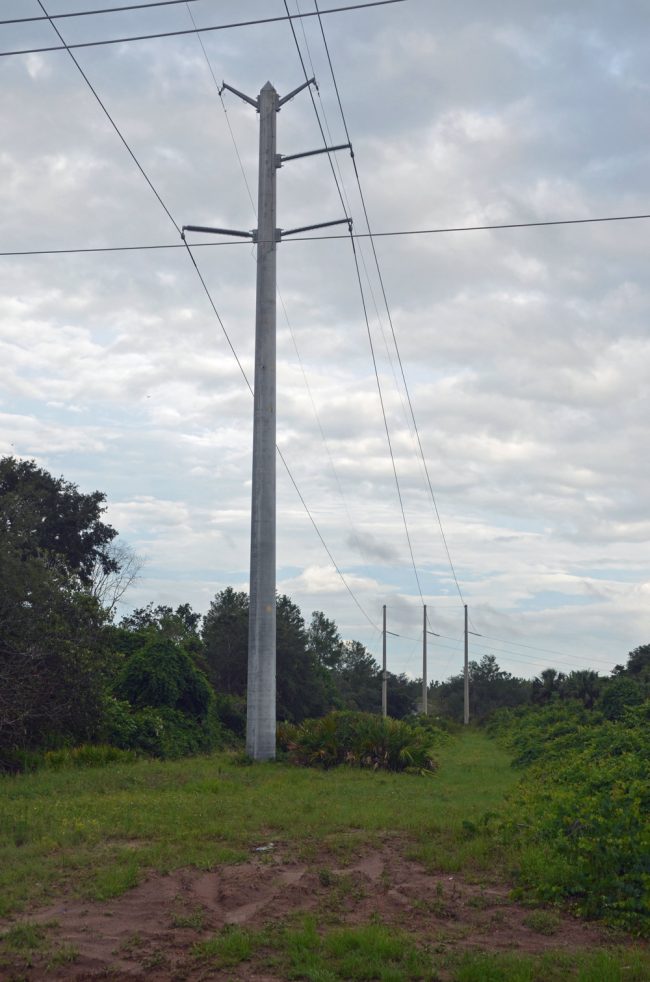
(386, 304)
(321, 238)
(195, 30)
(346, 209)
(213, 305)
(111, 120)
(91, 13)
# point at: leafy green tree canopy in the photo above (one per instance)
(51, 517)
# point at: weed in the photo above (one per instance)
(195, 920)
(231, 947)
(65, 954)
(543, 922)
(24, 937)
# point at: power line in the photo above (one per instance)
(532, 647)
(90, 13)
(194, 30)
(385, 298)
(345, 206)
(111, 120)
(213, 305)
(321, 238)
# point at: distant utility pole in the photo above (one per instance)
(424, 662)
(261, 708)
(466, 685)
(384, 673)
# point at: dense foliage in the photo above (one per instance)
(582, 810)
(359, 740)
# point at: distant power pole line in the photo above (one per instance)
(466, 675)
(261, 708)
(384, 673)
(424, 662)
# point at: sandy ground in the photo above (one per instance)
(144, 934)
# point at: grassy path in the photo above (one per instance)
(93, 831)
(359, 873)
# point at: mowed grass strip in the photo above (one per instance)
(377, 951)
(94, 831)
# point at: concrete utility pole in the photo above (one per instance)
(384, 673)
(466, 686)
(425, 707)
(261, 709)
(260, 714)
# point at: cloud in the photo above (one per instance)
(526, 350)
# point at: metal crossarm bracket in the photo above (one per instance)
(252, 102)
(216, 231)
(310, 228)
(290, 95)
(312, 153)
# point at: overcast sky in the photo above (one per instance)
(526, 351)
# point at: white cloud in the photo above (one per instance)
(526, 351)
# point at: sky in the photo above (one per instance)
(526, 351)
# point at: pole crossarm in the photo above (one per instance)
(294, 92)
(308, 228)
(312, 153)
(255, 103)
(216, 231)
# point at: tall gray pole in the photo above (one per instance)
(466, 686)
(425, 708)
(384, 677)
(260, 715)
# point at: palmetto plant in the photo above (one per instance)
(358, 740)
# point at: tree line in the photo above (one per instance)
(169, 681)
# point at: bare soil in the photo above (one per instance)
(148, 933)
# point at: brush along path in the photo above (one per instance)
(203, 869)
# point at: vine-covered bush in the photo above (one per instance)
(582, 810)
(358, 740)
(163, 704)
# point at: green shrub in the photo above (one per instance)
(582, 811)
(358, 740)
(161, 732)
(163, 675)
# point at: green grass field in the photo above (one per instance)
(94, 833)
(94, 830)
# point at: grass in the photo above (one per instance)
(369, 951)
(93, 832)
(620, 965)
(376, 951)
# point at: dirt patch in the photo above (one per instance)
(149, 932)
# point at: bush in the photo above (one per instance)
(358, 740)
(161, 732)
(582, 811)
(162, 675)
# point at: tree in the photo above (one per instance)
(162, 675)
(358, 679)
(584, 685)
(547, 685)
(638, 662)
(324, 640)
(301, 682)
(489, 688)
(225, 639)
(53, 659)
(50, 517)
(113, 572)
